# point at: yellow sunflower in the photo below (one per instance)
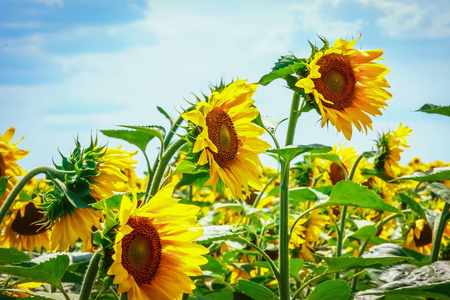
(228, 140)
(111, 177)
(154, 250)
(9, 154)
(22, 229)
(347, 86)
(419, 237)
(389, 148)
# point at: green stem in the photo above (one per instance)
(50, 172)
(297, 292)
(293, 117)
(66, 296)
(162, 165)
(89, 278)
(123, 296)
(150, 176)
(263, 254)
(437, 237)
(355, 164)
(284, 232)
(299, 218)
(174, 128)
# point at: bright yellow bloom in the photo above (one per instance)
(347, 86)
(9, 154)
(154, 250)
(228, 140)
(111, 177)
(22, 229)
(389, 145)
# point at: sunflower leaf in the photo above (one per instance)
(348, 193)
(338, 264)
(3, 185)
(341, 290)
(290, 152)
(165, 114)
(440, 190)
(436, 174)
(255, 290)
(217, 233)
(415, 207)
(50, 271)
(435, 109)
(327, 156)
(153, 130)
(12, 255)
(137, 138)
(285, 66)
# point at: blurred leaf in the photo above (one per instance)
(415, 207)
(435, 109)
(35, 295)
(338, 264)
(330, 290)
(305, 194)
(256, 291)
(364, 233)
(153, 130)
(217, 233)
(349, 193)
(197, 179)
(327, 156)
(295, 266)
(436, 174)
(285, 66)
(188, 167)
(214, 266)
(50, 271)
(435, 291)
(440, 190)
(137, 138)
(12, 255)
(290, 152)
(112, 202)
(3, 185)
(379, 174)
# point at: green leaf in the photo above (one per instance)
(415, 207)
(112, 202)
(137, 138)
(379, 174)
(327, 156)
(12, 255)
(290, 152)
(349, 193)
(440, 190)
(255, 290)
(3, 185)
(295, 266)
(364, 233)
(50, 271)
(435, 109)
(436, 174)
(285, 66)
(217, 233)
(434, 291)
(188, 167)
(71, 196)
(305, 194)
(165, 114)
(332, 290)
(338, 264)
(152, 130)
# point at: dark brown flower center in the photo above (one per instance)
(2, 166)
(426, 236)
(28, 224)
(141, 250)
(337, 81)
(223, 135)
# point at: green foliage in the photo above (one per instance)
(138, 138)
(12, 255)
(331, 290)
(436, 174)
(290, 152)
(255, 290)
(286, 65)
(348, 193)
(151, 130)
(435, 109)
(217, 233)
(3, 185)
(338, 264)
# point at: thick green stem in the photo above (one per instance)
(284, 232)
(162, 165)
(263, 254)
(50, 172)
(150, 176)
(89, 278)
(437, 236)
(293, 117)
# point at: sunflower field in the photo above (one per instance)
(210, 221)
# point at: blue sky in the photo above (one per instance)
(70, 68)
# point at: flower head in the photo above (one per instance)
(154, 250)
(346, 85)
(389, 150)
(228, 141)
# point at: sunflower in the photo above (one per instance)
(154, 250)
(347, 86)
(9, 154)
(228, 141)
(22, 229)
(389, 150)
(419, 237)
